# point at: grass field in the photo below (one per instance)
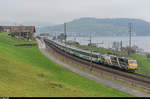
(26, 72)
(143, 61)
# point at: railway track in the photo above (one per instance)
(134, 79)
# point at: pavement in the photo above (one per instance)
(103, 81)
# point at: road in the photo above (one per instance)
(106, 82)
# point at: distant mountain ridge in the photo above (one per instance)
(103, 27)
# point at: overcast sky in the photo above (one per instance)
(60, 11)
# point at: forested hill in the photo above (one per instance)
(103, 27)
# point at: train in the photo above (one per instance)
(124, 63)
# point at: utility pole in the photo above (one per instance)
(37, 30)
(91, 52)
(65, 32)
(65, 36)
(75, 37)
(130, 27)
(121, 49)
(121, 45)
(55, 36)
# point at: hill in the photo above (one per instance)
(26, 72)
(102, 27)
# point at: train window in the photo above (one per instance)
(132, 62)
(123, 61)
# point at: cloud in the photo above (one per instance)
(59, 11)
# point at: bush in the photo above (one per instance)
(148, 55)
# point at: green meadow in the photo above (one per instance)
(26, 72)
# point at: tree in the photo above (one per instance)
(148, 55)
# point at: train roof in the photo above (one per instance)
(75, 48)
(87, 51)
(127, 57)
(122, 57)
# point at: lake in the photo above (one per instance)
(107, 42)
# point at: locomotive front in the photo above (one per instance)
(132, 64)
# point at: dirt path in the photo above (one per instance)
(93, 77)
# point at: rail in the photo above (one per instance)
(132, 78)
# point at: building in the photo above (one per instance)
(24, 32)
(1, 29)
(92, 44)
